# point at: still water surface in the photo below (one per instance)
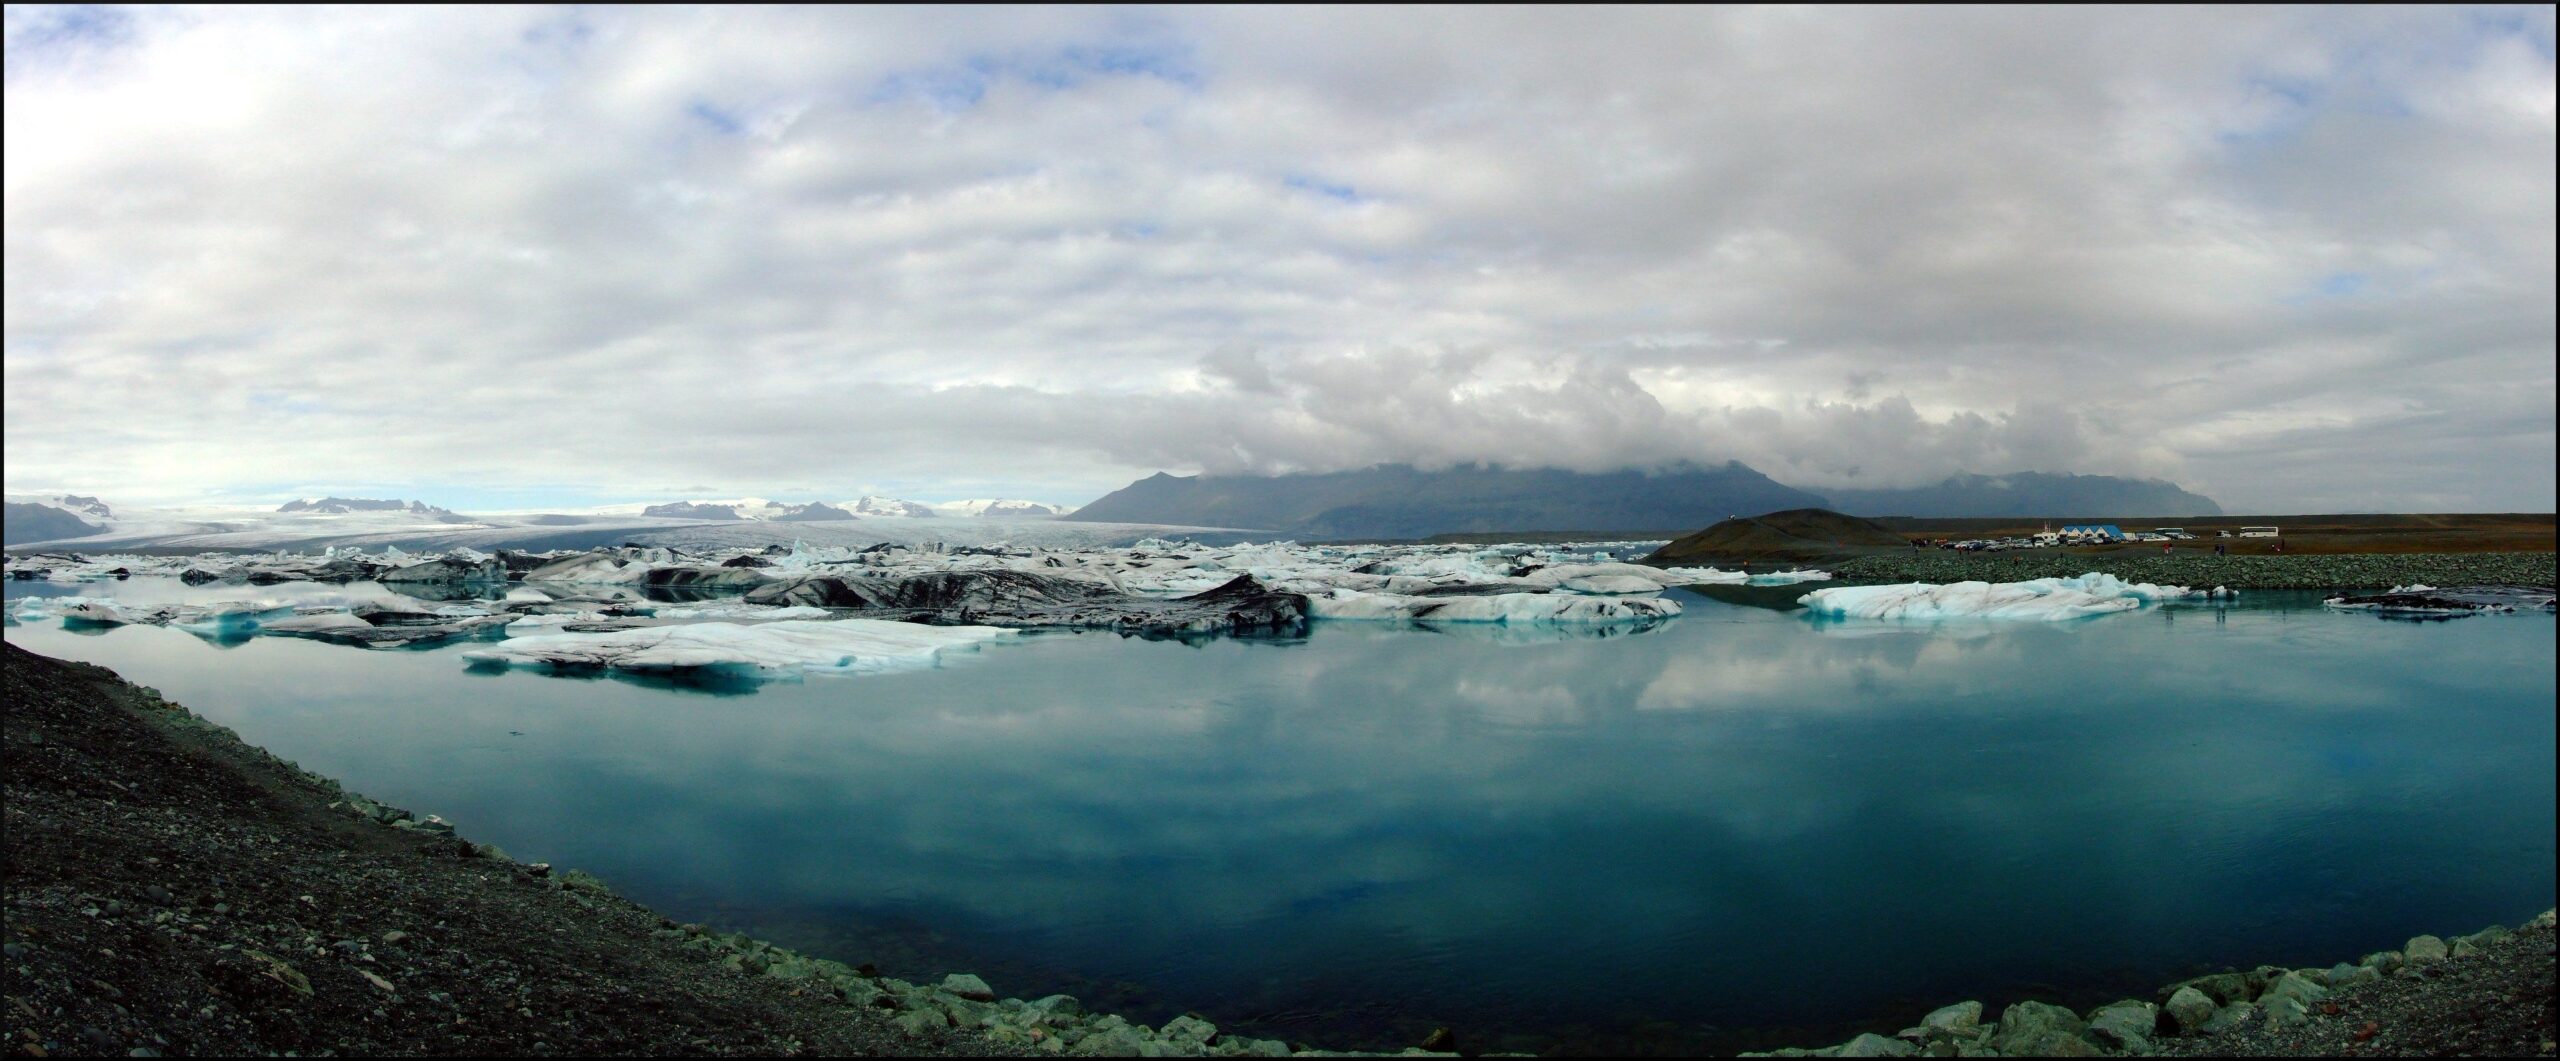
(1736, 828)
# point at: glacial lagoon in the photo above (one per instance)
(1740, 827)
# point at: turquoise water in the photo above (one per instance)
(1737, 828)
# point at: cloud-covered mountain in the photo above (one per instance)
(2030, 494)
(1400, 501)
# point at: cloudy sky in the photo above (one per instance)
(2295, 259)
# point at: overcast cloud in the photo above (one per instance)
(2295, 259)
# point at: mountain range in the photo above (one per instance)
(1400, 501)
(758, 509)
(339, 506)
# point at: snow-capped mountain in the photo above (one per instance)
(40, 519)
(79, 505)
(757, 509)
(1002, 508)
(339, 506)
(876, 505)
(749, 508)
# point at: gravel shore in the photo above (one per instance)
(172, 890)
(2332, 571)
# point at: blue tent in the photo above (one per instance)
(2094, 530)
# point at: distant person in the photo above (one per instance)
(2220, 549)
(2164, 548)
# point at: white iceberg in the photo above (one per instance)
(767, 650)
(2042, 599)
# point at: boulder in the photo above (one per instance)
(2224, 988)
(1188, 1029)
(2293, 987)
(1960, 1019)
(968, 986)
(2423, 949)
(2190, 1008)
(2125, 1026)
(2040, 1029)
(1874, 1045)
(2231, 1016)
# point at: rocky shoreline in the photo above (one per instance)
(2485, 994)
(2320, 571)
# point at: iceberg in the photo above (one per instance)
(2042, 599)
(777, 650)
(1522, 608)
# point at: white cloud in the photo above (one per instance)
(2295, 259)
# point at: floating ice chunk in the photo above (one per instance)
(2044, 599)
(1493, 608)
(767, 650)
(1611, 586)
(97, 613)
(738, 611)
(591, 568)
(1560, 574)
(314, 623)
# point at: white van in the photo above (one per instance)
(2259, 532)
